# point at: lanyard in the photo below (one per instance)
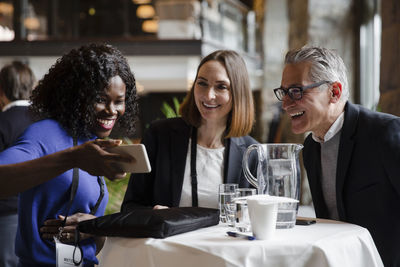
(74, 187)
(193, 172)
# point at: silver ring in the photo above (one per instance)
(68, 235)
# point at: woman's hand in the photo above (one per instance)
(51, 227)
(93, 158)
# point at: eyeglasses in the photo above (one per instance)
(295, 92)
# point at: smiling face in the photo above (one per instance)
(312, 112)
(109, 107)
(212, 93)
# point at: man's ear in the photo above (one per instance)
(336, 91)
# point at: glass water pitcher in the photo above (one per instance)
(278, 174)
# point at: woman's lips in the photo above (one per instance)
(106, 124)
(210, 105)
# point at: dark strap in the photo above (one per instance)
(96, 206)
(193, 172)
(227, 144)
(77, 246)
(74, 188)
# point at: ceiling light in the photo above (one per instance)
(6, 8)
(150, 26)
(32, 23)
(145, 12)
(141, 2)
(92, 11)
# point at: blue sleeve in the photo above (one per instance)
(26, 148)
(40, 139)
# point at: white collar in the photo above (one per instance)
(335, 128)
(17, 103)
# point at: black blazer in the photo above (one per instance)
(13, 122)
(367, 179)
(166, 143)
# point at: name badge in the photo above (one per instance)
(65, 255)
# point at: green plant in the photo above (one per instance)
(116, 189)
(168, 111)
(116, 193)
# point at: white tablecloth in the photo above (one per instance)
(322, 244)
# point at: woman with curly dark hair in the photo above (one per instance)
(83, 96)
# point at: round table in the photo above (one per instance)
(326, 243)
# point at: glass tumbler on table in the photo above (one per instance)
(242, 213)
(227, 206)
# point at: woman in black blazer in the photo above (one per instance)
(191, 155)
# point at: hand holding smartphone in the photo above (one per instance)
(138, 151)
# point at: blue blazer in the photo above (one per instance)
(367, 179)
(166, 143)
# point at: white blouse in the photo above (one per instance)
(210, 172)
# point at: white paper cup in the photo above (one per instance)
(263, 210)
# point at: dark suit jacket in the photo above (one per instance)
(13, 122)
(166, 143)
(367, 179)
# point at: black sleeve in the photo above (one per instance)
(390, 152)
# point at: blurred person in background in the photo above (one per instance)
(207, 142)
(83, 96)
(16, 83)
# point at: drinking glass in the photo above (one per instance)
(227, 206)
(242, 223)
(244, 192)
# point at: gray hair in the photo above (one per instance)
(326, 65)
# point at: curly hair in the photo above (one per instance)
(69, 91)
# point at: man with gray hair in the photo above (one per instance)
(352, 155)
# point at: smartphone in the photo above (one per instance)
(305, 221)
(138, 151)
